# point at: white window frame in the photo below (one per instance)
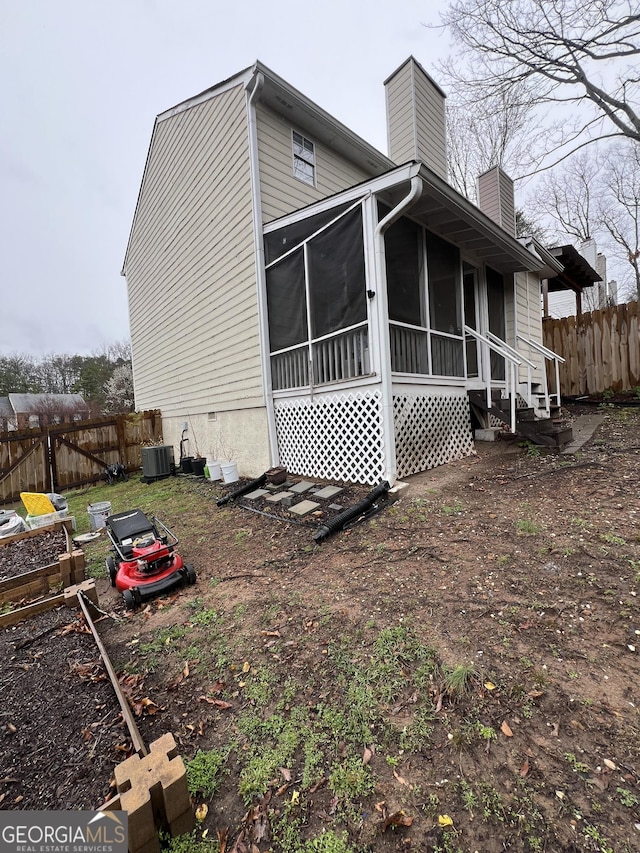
(302, 154)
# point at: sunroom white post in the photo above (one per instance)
(261, 278)
(388, 424)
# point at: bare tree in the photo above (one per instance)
(597, 195)
(480, 134)
(620, 207)
(568, 197)
(574, 54)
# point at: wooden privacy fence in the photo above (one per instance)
(64, 456)
(601, 349)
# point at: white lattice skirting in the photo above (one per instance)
(430, 430)
(332, 437)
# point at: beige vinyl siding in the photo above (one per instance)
(528, 317)
(431, 134)
(489, 195)
(416, 119)
(190, 265)
(496, 198)
(281, 192)
(400, 125)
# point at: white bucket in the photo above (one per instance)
(229, 472)
(215, 472)
(98, 514)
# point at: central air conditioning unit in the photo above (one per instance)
(157, 462)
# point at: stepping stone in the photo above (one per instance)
(303, 508)
(328, 492)
(299, 488)
(281, 496)
(336, 507)
(259, 493)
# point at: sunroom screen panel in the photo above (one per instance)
(337, 283)
(402, 254)
(443, 265)
(277, 243)
(287, 303)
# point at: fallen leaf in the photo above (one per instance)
(525, 768)
(12, 729)
(555, 730)
(246, 666)
(185, 670)
(286, 774)
(202, 811)
(400, 779)
(506, 729)
(489, 685)
(219, 703)
(18, 799)
(366, 756)
(535, 694)
(444, 820)
(379, 807)
(295, 797)
(270, 633)
(610, 764)
(397, 819)
(317, 785)
(222, 834)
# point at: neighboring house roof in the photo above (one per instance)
(5, 408)
(24, 404)
(576, 274)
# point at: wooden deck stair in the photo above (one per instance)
(547, 431)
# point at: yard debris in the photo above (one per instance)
(397, 819)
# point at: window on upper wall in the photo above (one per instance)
(304, 159)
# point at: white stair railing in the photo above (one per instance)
(513, 361)
(549, 355)
(517, 355)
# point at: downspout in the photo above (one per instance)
(388, 425)
(261, 278)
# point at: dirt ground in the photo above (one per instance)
(489, 618)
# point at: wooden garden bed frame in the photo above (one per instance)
(68, 570)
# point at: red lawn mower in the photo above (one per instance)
(144, 563)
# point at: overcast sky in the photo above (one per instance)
(82, 84)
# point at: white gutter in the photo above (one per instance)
(261, 278)
(388, 425)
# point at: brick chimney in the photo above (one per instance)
(416, 126)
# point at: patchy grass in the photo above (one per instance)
(445, 660)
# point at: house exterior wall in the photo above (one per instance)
(283, 193)
(416, 126)
(190, 270)
(528, 319)
(190, 266)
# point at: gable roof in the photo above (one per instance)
(285, 99)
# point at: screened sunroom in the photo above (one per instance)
(378, 302)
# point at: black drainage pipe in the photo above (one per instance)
(340, 521)
(243, 490)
